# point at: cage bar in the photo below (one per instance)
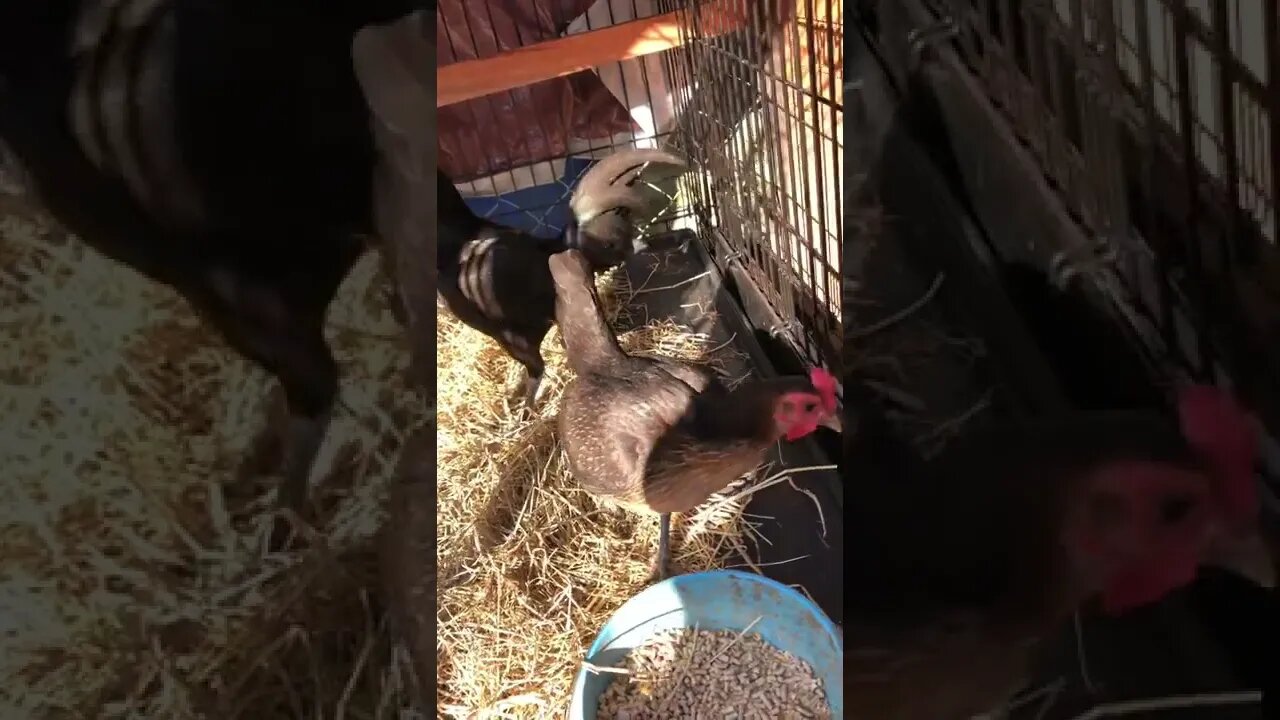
(549, 59)
(1156, 123)
(763, 115)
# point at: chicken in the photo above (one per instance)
(960, 565)
(495, 279)
(221, 148)
(660, 435)
(394, 68)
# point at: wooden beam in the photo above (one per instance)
(470, 79)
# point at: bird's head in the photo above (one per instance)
(605, 242)
(799, 412)
(1144, 527)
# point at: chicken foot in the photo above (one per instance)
(290, 451)
(526, 352)
(283, 334)
(302, 437)
(528, 390)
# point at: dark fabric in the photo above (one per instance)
(1245, 619)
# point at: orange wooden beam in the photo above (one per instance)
(470, 79)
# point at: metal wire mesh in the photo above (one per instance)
(547, 218)
(758, 111)
(1155, 122)
(762, 113)
(543, 147)
(1064, 71)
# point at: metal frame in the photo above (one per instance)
(762, 113)
(540, 164)
(1155, 123)
(761, 117)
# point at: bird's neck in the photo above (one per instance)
(745, 412)
(588, 340)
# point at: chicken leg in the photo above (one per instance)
(529, 390)
(662, 564)
(282, 332)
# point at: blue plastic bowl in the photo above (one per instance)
(716, 600)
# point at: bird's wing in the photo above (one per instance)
(697, 377)
(619, 414)
(505, 277)
(654, 399)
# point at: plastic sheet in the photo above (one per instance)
(515, 128)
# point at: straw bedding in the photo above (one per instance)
(134, 583)
(530, 566)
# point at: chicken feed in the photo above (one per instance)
(691, 673)
(135, 582)
(530, 565)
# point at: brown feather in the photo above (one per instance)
(395, 67)
(655, 434)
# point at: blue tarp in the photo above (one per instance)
(541, 210)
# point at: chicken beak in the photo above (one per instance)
(833, 421)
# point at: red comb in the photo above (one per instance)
(1225, 436)
(825, 383)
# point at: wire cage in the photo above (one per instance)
(1154, 123)
(764, 113)
(529, 94)
(753, 103)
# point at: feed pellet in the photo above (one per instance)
(705, 675)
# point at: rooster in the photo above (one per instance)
(495, 279)
(660, 435)
(221, 148)
(961, 564)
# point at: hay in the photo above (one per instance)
(134, 581)
(530, 566)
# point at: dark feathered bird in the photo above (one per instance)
(221, 147)
(495, 279)
(960, 565)
(661, 435)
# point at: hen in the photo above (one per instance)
(495, 279)
(659, 435)
(394, 68)
(221, 148)
(960, 565)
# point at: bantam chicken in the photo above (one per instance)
(962, 564)
(495, 278)
(660, 435)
